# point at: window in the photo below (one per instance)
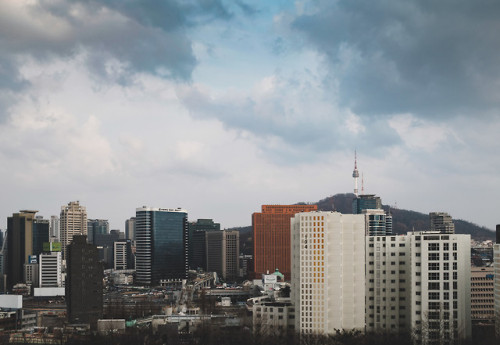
(433, 276)
(455, 266)
(433, 266)
(401, 244)
(454, 246)
(433, 256)
(433, 246)
(446, 266)
(433, 286)
(446, 246)
(446, 256)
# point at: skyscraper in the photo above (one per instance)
(496, 264)
(54, 227)
(73, 222)
(442, 222)
(40, 234)
(130, 229)
(196, 239)
(328, 272)
(84, 282)
(96, 227)
(222, 250)
(161, 245)
(123, 256)
(20, 245)
(271, 235)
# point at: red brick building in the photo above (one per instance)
(271, 237)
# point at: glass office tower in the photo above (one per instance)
(162, 245)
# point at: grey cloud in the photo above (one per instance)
(307, 132)
(433, 58)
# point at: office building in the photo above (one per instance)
(19, 244)
(31, 274)
(271, 237)
(328, 272)
(96, 227)
(222, 250)
(130, 229)
(73, 221)
(54, 227)
(84, 282)
(366, 202)
(161, 245)
(419, 283)
(41, 234)
(273, 317)
(496, 264)
(50, 269)
(379, 223)
(442, 222)
(123, 258)
(197, 243)
(482, 295)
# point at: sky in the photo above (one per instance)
(219, 106)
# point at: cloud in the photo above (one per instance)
(434, 59)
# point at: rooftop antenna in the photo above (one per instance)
(355, 174)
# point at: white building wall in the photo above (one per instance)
(50, 270)
(328, 271)
(419, 283)
(496, 263)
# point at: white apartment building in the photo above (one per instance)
(73, 221)
(50, 270)
(419, 283)
(328, 271)
(120, 255)
(273, 317)
(496, 264)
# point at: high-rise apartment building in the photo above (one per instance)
(161, 245)
(54, 227)
(496, 264)
(20, 245)
(328, 272)
(96, 227)
(222, 250)
(130, 229)
(442, 222)
(84, 282)
(419, 283)
(73, 221)
(271, 237)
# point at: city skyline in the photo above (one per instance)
(220, 107)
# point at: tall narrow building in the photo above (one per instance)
(271, 237)
(222, 251)
(84, 282)
(496, 264)
(19, 244)
(73, 221)
(328, 272)
(54, 227)
(130, 229)
(161, 245)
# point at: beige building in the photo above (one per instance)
(482, 294)
(328, 271)
(273, 317)
(73, 221)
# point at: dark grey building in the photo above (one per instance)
(84, 282)
(222, 253)
(161, 245)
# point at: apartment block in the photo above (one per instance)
(328, 271)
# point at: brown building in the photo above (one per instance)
(271, 237)
(482, 294)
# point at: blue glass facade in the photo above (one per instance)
(162, 243)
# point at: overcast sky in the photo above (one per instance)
(221, 106)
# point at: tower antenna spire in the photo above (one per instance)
(355, 174)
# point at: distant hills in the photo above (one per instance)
(403, 221)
